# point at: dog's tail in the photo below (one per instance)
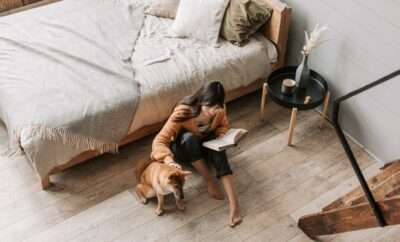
(141, 165)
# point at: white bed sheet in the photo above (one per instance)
(170, 68)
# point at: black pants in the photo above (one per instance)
(187, 148)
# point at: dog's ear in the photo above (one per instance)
(174, 177)
(185, 173)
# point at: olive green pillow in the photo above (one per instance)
(163, 8)
(243, 18)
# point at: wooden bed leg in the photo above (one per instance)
(46, 182)
(263, 99)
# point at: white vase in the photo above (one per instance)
(302, 77)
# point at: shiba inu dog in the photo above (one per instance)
(159, 179)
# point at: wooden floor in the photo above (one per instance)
(277, 184)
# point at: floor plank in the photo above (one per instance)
(71, 227)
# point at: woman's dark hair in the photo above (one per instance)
(209, 95)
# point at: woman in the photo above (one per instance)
(198, 118)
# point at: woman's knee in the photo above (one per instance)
(192, 146)
(191, 141)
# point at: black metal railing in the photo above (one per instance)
(364, 185)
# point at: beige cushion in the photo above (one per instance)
(163, 8)
(243, 18)
(199, 19)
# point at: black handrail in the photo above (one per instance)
(364, 185)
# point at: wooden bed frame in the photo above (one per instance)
(8, 7)
(276, 30)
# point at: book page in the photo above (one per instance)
(216, 144)
(230, 136)
(229, 139)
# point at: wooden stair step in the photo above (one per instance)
(354, 197)
(349, 218)
(386, 189)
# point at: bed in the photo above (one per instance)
(121, 76)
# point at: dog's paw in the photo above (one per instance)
(143, 200)
(139, 195)
(180, 205)
(159, 212)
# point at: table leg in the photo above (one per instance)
(263, 100)
(325, 109)
(292, 125)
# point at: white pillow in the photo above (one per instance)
(199, 19)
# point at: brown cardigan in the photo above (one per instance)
(161, 143)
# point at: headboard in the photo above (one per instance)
(277, 29)
(8, 7)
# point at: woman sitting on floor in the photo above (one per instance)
(196, 119)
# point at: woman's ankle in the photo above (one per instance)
(234, 206)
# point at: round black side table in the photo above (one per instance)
(315, 94)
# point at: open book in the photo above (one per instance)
(228, 140)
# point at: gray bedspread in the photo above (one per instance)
(65, 74)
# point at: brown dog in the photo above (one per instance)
(159, 179)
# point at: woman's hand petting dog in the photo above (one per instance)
(171, 162)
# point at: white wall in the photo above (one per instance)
(364, 45)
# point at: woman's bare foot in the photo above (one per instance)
(234, 218)
(214, 191)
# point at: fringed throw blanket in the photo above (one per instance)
(65, 74)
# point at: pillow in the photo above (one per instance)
(243, 18)
(199, 19)
(163, 8)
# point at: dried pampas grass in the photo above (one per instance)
(313, 39)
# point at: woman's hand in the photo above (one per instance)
(170, 161)
(220, 136)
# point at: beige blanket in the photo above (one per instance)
(65, 74)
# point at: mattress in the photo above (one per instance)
(170, 68)
(166, 69)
